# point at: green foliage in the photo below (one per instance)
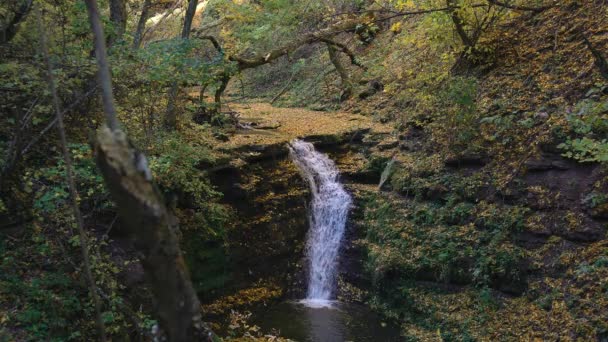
(177, 167)
(168, 61)
(436, 241)
(586, 150)
(588, 125)
(174, 165)
(595, 199)
(42, 281)
(377, 164)
(260, 26)
(49, 183)
(459, 102)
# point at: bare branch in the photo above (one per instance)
(213, 41)
(54, 121)
(520, 8)
(247, 63)
(600, 60)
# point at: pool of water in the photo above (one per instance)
(326, 322)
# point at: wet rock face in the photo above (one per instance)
(267, 241)
(558, 190)
(269, 201)
(266, 238)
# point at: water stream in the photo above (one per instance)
(319, 318)
(327, 214)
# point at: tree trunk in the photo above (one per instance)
(141, 24)
(188, 18)
(171, 114)
(459, 24)
(170, 120)
(143, 211)
(10, 29)
(144, 214)
(103, 73)
(347, 87)
(118, 16)
(220, 90)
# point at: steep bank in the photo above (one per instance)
(496, 204)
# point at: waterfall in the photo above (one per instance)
(328, 212)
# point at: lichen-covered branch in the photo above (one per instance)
(347, 88)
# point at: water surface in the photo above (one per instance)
(337, 322)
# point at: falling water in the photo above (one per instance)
(328, 213)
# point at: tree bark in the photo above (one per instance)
(170, 120)
(142, 209)
(346, 50)
(347, 87)
(144, 214)
(459, 24)
(118, 16)
(14, 152)
(224, 79)
(103, 74)
(141, 24)
(188, 18)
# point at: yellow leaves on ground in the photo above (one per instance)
(244, 298)
(293, 123)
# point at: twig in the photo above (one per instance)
(54, 121)
(110, 227)
(520, 8)
(276, 97)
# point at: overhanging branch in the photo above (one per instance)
(261, 59)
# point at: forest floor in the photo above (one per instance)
(273, 125)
